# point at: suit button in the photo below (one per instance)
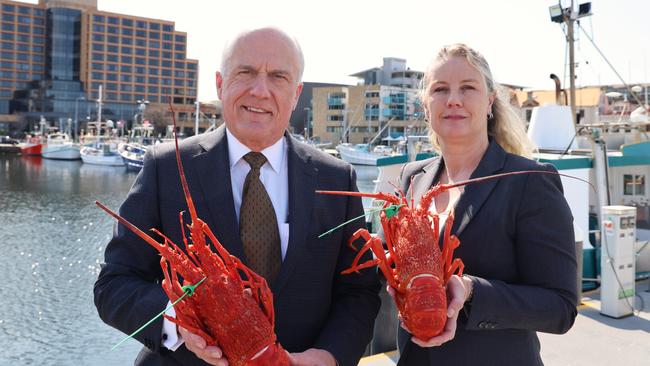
(481, 325)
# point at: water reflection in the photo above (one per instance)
(52, 243)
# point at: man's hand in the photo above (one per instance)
(457, 292)
(210, 354)
(312, 357)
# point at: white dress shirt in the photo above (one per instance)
(274, 175)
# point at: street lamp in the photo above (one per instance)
(76, 114)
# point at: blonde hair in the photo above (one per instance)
(506, 127)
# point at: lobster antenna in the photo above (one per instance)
(480, 179)
(390, 212)
(189, 291)
(181, 171)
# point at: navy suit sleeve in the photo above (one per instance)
(355, 297)
(127, 292)
(545, 296)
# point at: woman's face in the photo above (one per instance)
(457, 101)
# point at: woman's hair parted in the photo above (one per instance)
(506, 127)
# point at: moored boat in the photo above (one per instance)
(60, 147)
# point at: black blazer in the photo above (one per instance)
(315, 306)
(517, 241)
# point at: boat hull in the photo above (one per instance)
(32, 149)
(61, 152)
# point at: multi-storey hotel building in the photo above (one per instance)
(56, 55)
(383, 106)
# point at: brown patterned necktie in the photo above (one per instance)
(258, 225)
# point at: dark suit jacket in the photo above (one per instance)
(315, 306)
(517, 241)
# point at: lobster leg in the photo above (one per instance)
(377, 248)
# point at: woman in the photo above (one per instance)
(516, 232)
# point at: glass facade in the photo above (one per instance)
(63, 46)
(51, 58)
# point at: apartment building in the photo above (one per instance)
(55, 56)
(382, 108)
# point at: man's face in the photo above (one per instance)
(259, 88)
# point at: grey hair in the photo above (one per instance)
(228, 49)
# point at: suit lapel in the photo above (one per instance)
(212, 168)
(476, 194)
(302, 187)
(423, 181)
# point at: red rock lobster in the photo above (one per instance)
(232, 307)
(415, 266)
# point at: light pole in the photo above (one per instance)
(76, 114)
(196, 117)
(307, 109)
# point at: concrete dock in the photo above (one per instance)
(594, 340)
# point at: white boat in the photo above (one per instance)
(59, 146)
(101, 152)
(359, 154)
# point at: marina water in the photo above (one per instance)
(52, 243)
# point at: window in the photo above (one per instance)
(166, 54)
(180, 39)
(127, 22)
(154, 44)
(336, 106)
(167, 46)
(335, 118)
(153, 71)
(126, 68)
(97, 66)
(634, 184)
(168, 28)
(334, 129)
(166, 63)
(112, 58)
(141, 33)
(141, 24)
(112, 48)
(98, 28)
(112, 30)
(113, 39)
(154, 53)
(98, 57)
(126, 78)
(127, 50)
(154, 26)
(112, 20)
(154, 35)
(98, 38)
(128, 41)
(126, 59)
(98, 18)
(179, 47)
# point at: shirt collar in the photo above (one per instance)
(274, 153)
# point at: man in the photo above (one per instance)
(322, 317)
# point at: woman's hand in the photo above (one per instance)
(457, 292)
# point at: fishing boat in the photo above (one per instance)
(101, 152)
(132, 155)
(60, 146)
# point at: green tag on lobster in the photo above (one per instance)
(189, 291)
